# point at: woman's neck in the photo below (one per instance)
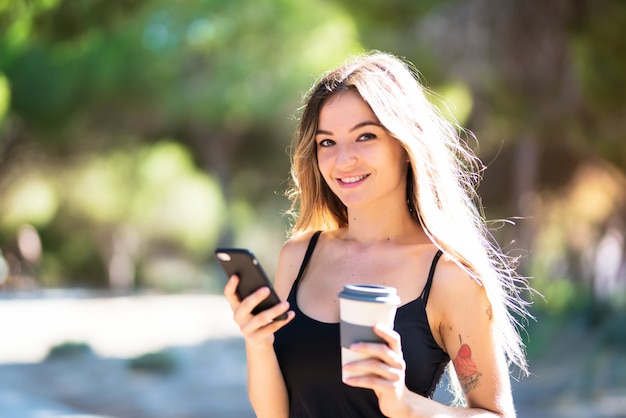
(390, 224)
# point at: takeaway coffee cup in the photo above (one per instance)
(360, 308)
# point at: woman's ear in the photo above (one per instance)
(406, 156)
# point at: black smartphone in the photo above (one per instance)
(244, 264)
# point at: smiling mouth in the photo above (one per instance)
(350, 180)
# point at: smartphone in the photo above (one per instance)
(244, 264)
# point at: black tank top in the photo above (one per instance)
(309, 356)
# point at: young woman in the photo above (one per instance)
(385, 190)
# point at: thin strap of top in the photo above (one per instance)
(307, 256)
(431, 274)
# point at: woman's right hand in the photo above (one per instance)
(258, 330)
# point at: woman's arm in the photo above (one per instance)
(469, 335)
(266, 386)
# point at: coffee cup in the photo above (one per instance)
(360, 308)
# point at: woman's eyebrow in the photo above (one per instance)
(366, 123)
(354, 128)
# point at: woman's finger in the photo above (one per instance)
(376, 369)
(383, 353)
(245, 307)
(268, 328)
(264, 333)
(230, 290)
(262, 319)
(391, 337)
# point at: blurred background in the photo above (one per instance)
(138, 135)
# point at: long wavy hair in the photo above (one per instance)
(442, 180)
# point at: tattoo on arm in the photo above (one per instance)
(466, 368)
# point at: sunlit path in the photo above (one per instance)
(124, 326)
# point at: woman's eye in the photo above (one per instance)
(326, 143)
(367, 137)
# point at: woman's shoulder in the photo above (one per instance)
(296, 244)
(456, 301)
(290, 259)
(453, 287)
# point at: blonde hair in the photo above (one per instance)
(441, 184)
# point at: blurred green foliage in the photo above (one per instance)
(97, 89)
(69, 350)
(136, 136)
(163, 361)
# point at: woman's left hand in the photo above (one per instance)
(383, 371)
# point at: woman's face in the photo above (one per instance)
(361, 163)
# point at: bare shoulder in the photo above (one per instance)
(451, 279)
(455, 295)
(289, 261)
(452, 283)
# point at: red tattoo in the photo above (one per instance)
(466, 368)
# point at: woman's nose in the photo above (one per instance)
(346, 155)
